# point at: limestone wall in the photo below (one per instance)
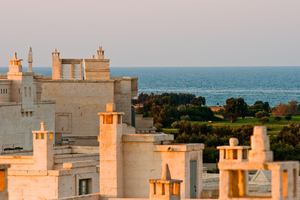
(39, 187)
(96, 69)
(16, 126)
(143, 123)
(124, 92)
(5, 91)
(68, 186)
(78, 104)
(140, 164)
(82, 197)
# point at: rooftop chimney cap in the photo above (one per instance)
(166, 175)
(42, 126)
(233, 142)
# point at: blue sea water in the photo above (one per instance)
(216, 84)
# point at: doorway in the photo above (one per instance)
(193, 179)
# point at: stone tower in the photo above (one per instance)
(110, 147)
(43, 154)
(30, 60)
(165, 188)
(56, 65)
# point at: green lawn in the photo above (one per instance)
(273, 125)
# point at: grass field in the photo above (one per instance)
(273, 125)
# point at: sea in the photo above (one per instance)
(271, 84)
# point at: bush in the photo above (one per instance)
(264, 120)
(261, 114)
(288, 117)
(277, 118)
(158, 126)
(185, 117)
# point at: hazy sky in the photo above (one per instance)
(154, 32)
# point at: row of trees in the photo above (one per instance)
(237, 107)
(285, 145)
(169, 107)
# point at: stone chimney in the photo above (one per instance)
(260, 146)
(56, 65)
(15, 65)
(30, 60)
(110, 149)
(165, 188)
(100, 53)
(43, 153)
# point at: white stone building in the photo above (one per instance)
(68, 101)
(127, 162)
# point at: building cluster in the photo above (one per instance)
(68, 101)
(90, 147)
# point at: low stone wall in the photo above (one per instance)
(83, 197)
(97, 197)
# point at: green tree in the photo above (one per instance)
(235, 108)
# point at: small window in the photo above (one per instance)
(295, 174)
(25, 91)
(36, 136)
(1, 91)
(119, 119)
(163, 189)
(6, 91)
(51, 136)
(29, 91)
(85, 186)
(2, 181)
(42, 136)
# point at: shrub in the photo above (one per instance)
(158, 126)
(277, 118)
(264, 120)
(261, 114)
(288, 117)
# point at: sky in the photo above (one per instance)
(154, 32)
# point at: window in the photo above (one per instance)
(295, 174)
(163, 189)
(51, 136)
(2, 181)
(29, 91)
(85, 186)
(119, 119)
(285, 184)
